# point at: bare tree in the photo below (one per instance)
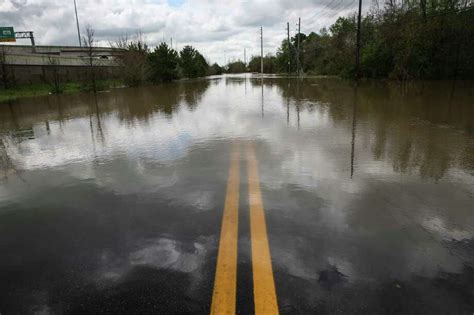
(88, 42)
(132, 58)
(53, 76)
(4, 68)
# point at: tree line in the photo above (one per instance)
(137, 64)
(140, 64)
(402, 40)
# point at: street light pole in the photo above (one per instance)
(77, 23)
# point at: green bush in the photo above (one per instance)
(163, 64)
(403, 41)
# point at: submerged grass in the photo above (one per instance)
(45, 89)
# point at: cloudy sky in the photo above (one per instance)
(219, 29)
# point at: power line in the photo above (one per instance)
(327, 8)
(341, 8)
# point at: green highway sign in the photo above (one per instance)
(7, 34)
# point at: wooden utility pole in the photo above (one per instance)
(298, 59)
(289, 47)
(245, 57)
(261, 49)
(358, 41)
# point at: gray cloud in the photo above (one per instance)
(220, 29)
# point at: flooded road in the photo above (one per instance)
(297, 196)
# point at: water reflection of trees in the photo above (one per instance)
(129, 104)
(230, 80)
(5, 160)
(25, 118)
(141, 103)
(7, 165)
(28, 112)
(420, 128)
(193, 92)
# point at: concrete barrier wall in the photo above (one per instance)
(31, 74)
(42, 59)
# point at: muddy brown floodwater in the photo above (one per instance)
(115, 203)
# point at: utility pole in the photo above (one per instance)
(171, 42)
(298, 59)
(289, 47)
(354, 123)
(358, 42)
(245, 57)
(77, 24)
(261, 49)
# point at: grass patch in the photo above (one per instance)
(45, 89)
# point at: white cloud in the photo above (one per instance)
(219, 29)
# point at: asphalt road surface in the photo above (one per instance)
(238, 194)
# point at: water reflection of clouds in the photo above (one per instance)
(167, 137)
(377, 201)
(436, 226)
(314, 147)
(168, 253)
(386, 222)
(161, 253)
(314, 158)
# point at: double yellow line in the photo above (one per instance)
(225, 285)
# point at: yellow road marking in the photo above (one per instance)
(225, 283)
(264, 292)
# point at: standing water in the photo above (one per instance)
(114, 203)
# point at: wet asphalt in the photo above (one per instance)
(114, 203)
